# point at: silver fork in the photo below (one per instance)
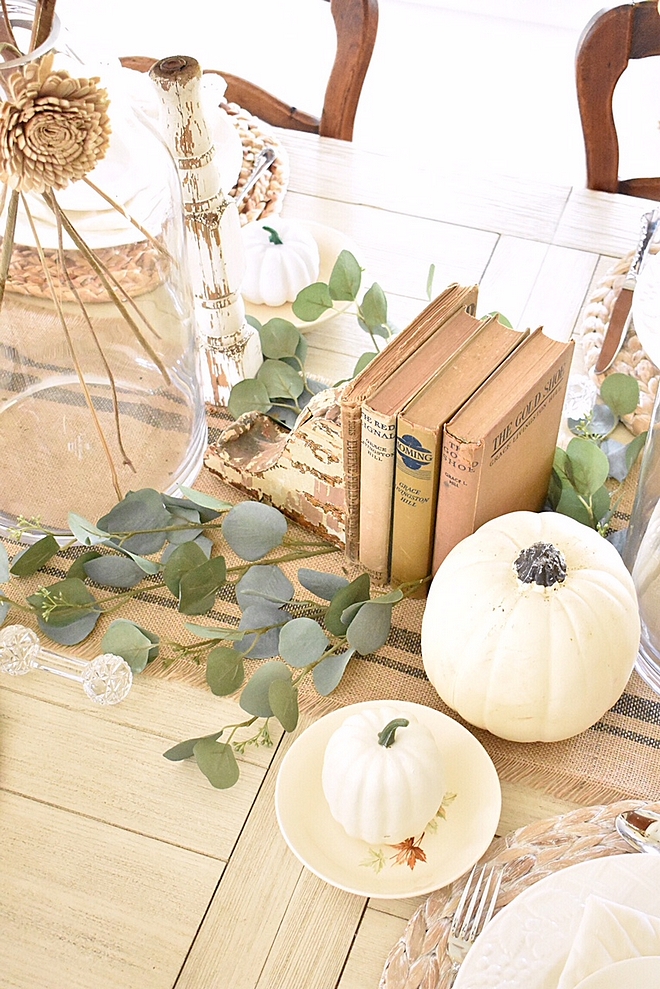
(474, 910)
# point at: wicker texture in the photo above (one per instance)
(419, 959)
(631, 359)
(137, 266)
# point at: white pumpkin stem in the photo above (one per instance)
(274, 236)
(541, 563)
(386, 737)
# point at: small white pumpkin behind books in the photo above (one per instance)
(281, 258)
(531, 627)
(382, 775)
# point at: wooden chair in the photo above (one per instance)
(356, 23)
(611, 38)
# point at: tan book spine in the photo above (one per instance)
(376, 487)
(415, 490)
(351, 430)
(504, 464)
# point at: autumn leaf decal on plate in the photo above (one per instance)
(409, 852)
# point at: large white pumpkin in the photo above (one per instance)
(382, 775)
(527, 660)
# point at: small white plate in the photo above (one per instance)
(637, 973)
(452, 843)
(330, 243)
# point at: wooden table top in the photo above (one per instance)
(121, 870)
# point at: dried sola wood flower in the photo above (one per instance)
(53, 128)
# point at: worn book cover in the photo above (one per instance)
(405, 343)
(419, 438)
(378, 428)
(498, 450)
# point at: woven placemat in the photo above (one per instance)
(632, 358)
(419, 958)
(137, 267)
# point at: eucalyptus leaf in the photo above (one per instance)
(429, 281)
(185, 750)
(555, 488)
(363, 360)
(265, 582)
(280, 380)
(113, 571)
(202, 500)
(64, 602)
(184, 558)
(283, 700)
(302, 641)
(379, 329)
(279, 338)
(621, 393)
(252, 321)
(570, 504)
(252, 529)
(392, 597)
(218, 763)
(561, 460)
(198, 587)
(209, 632)
(634, 448)
(616, 455)
(143, 513)
(4, 610)
(374, 308)
(190, 518)
(500, 318)
(34, 557)
(587, 466)
(147, 566)
(262, 645)
(323, 585)
(77, 568)
(73, 632)
(133, 643)
(600, 504)
(357, 590)
(348, 614)
(249, 395)
(370, 628)
(225, 670)
(345, 278)
(327, 675)
(312, 302)
(4, 565)
(85, 532)
(254, 698)
(603, 420)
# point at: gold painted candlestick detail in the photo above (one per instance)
(231, 346)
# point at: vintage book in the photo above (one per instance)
(497, 451)
(419, 439)
(399, 349)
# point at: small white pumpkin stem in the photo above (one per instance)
(386, 737)
(274, 236)
(541, 563)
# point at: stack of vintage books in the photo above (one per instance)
(453, 424)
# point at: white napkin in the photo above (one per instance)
(608, 932)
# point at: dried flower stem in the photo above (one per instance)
(8, 243)
(8, 47)
(113, 387)
(43, 22)
(101, 271)
(138, 226)
(74, 356)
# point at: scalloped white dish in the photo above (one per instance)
(330, 243)
(526, 944)
(453, 842)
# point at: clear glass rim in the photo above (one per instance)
(16, 63)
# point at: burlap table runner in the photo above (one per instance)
(615, 759)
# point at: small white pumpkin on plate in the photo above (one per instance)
(531, 627)
(382, 775)
(281, 258)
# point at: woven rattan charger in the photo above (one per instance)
(135, 265)
(419, 959)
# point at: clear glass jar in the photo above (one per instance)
(99, 363)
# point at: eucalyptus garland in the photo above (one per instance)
(152, 541)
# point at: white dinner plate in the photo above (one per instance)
(632, 973)
(452, 843)
(330, 244)
(526, 944)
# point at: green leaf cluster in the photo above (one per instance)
(281, 387)
(581, 483)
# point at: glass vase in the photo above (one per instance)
(642, 552)
(99, 363)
